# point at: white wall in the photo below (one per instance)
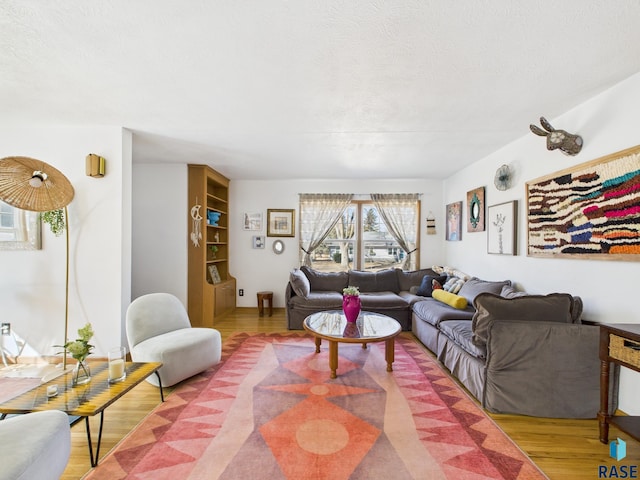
(608, 123)
(261, 269)
(32, 282)
(160, 219)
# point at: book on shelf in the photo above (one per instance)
(215, 275)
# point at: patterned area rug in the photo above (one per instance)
(270, 410)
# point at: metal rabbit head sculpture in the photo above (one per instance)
(568, 143)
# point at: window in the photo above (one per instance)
(7, 223)
(19, 229)
(366, 235)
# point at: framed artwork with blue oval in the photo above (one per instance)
(454, 221)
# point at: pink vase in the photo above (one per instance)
(351, 307)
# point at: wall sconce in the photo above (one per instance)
(431, 224)
(95, 165)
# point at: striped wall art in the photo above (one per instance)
(591, 210)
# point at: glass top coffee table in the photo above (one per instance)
(370, 327)
(84, 400)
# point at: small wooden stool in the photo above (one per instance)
(262, 296)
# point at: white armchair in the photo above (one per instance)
(159, 330)
(34, 445)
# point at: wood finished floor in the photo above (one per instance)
(562, 449)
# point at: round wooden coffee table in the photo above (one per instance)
(370, 327)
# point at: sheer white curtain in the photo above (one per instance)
(399, 212)
(319, 212)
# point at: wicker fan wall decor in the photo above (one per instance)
(503, 178)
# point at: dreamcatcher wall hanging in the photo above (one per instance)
(196, 224)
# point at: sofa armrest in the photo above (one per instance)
(544, 369)
(288, 293)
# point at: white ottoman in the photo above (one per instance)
(34, 446)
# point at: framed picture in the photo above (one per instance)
(454, 222)
(252, 221)
(502, 228)
(590, 210)
(258, 241)
(280, 223)
(215, 275)
(475, 210)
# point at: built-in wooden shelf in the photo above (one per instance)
(209, 299)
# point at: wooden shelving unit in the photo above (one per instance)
(209, 296)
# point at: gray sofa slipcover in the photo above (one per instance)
(388, 292)
(518, 353)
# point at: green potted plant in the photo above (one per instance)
(80, 349)
(56, 221)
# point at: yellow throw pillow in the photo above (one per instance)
(451, 299)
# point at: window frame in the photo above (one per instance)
(358, 241)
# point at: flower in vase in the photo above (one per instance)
(350, 290)
(80, 348)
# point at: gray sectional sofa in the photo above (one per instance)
(516, 353)
(387, 292)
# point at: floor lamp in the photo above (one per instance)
(30, 184)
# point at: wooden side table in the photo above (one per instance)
(619, 344)
(262, 297)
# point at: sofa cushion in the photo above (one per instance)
(456, 301)
(300, 283)
(409, 297)
(434, 312)
(555, 307)
(383, 301)
(318, 301)
(459, 331)
(508, 291)
(453, 284)
(408, 279)
(451, 272)
(381, 281)
(183, 353)
(576, 310)
(474, 286)
(426, 287)
(326, 281)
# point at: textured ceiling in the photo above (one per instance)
(312, 89)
